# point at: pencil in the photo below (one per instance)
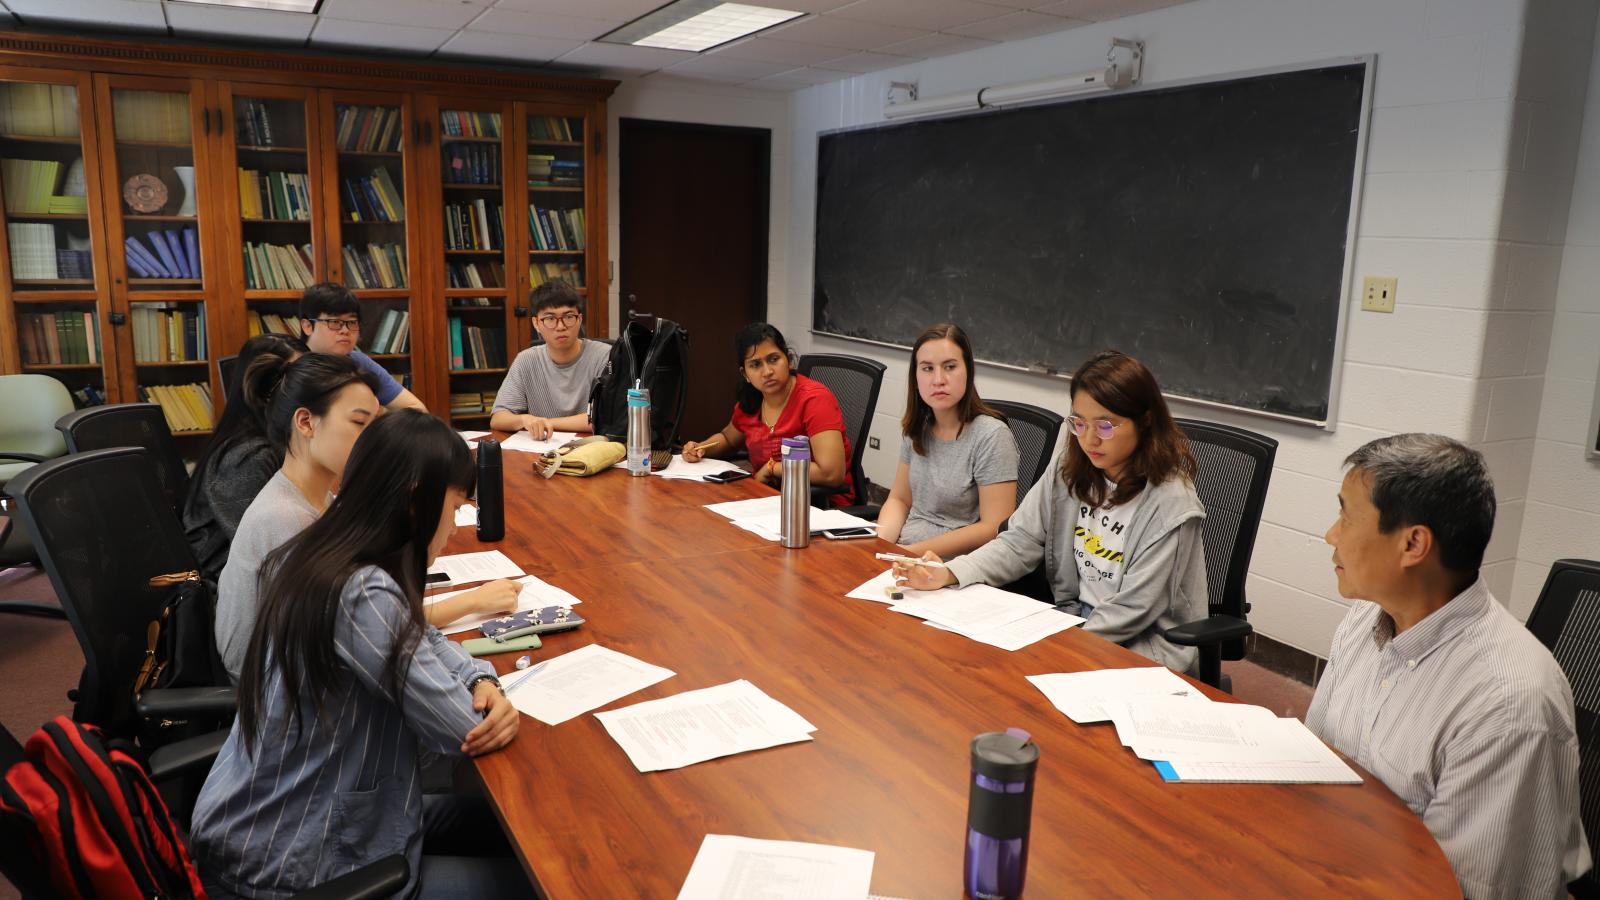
(709, 444)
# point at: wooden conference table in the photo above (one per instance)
(895, 703)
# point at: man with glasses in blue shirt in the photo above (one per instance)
(330, 316)
(547, 389)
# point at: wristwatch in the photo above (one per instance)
(472, 686)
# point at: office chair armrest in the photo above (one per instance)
(21, 457)
(1210, 630)
(168, 703)
(171, 760)
(383, 878)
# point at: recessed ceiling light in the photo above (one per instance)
(294, 6)
(698, 25)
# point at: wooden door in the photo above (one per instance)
(694, 245)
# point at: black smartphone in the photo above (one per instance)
(437, 578)
(725, 477)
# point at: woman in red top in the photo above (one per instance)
(776, 403)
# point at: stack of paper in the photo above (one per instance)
(693, 471)
(567, 686)
(1083, 696)
(535, 594)
(465, 568)
(695, 726)
(978, 611)
(729, 866)
(763, 516)
(524, 442)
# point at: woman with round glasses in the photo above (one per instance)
(1118, 529)
(547, 389)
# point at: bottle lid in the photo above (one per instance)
(1009, 755)
(796, 448)
(638, 397)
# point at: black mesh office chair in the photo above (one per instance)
(854, 382)
(1235, 466)
(131, 425)
(103, 528)
(1566, 619)
(1036, 430)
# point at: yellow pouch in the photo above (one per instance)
(592, 458)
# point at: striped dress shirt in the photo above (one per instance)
(1469, 720)
(311, 806)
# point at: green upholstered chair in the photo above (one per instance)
(29, 408)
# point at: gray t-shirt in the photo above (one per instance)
(278, 513)
(945, 481)
(538, 386)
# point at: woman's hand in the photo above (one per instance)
(500, 720)
(494, 597)
(771, 473)
(692, 452)
(924, 578)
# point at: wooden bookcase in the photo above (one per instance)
(182, 195)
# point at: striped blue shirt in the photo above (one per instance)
(1469, 720)
(309, 807)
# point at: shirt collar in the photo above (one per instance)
(1437, 627)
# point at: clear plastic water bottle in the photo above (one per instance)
(638, 431)
(795, 516)
(999, 814)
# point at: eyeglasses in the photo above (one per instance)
(565, 319)
(340, 325)
(1104, 428)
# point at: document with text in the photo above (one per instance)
(740, 868)
(695, 726)
(567, 686)
(466, 568)
(1082, 696)
(524, 442)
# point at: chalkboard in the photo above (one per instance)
(1200, 228)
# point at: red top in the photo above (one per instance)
(811, 410)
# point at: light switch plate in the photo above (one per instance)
(1377, 294)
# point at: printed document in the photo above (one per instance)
(524, 442)
(729, 867)
(705, 724)
(567, 686)
(693, 471)
(1021, 632)
(1082, 696)
(466, 514)
(976, 607)
(465, 568)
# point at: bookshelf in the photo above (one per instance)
(156, 178)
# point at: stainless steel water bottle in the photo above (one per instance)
(795, 519)
(999, 812)
(638, 431)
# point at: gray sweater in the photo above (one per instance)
(1163, 583)
(279, 513)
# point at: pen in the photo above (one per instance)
(529, 674)
(909, 560)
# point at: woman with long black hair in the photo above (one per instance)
(345, 686)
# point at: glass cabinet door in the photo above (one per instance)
(473, 140)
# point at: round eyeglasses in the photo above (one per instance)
(1103, 428)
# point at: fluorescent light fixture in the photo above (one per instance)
(294, 6)
(1115, 75)
(698, 25)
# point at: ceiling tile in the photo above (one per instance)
(105, 13)
(929, 15)
(866, 62)
(775, 51)
(809, 75)
(937, 45)
(834, 32)
(777, 86)
(620, 10)
(189, 19)
(1016, 26)
(545, 25)
(519, 48)
(805, 6)
(622, 57)
(451, 14)
(377, 36)
(1103, 10)
(725, 68)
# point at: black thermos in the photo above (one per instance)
(491, 492)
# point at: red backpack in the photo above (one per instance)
(91, 821)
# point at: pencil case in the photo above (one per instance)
(531, 621)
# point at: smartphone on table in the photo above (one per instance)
(845, 534)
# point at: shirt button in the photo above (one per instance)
(1411, 664)
(1387, 684)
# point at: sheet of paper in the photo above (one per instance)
(820, 519)
(747, 509)
(1015, 635)
(465, 568)
(535, 594)
(567, 686)
(695, 471)
(1306, 761)
(705, 724)
(1082, 696)
(524, 442)
(741, 867)
(470, 436)
(976, 607)
(466, 514)
(1173, 728)
(872, 589)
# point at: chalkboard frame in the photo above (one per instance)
(1358, 172)
(1593, 450)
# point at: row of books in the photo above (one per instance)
(474, 302)
(89, 395)
(473, 225)
(471, 163)
(269, 323)
(465, 123)
(278, 267)
(547, 171)
(489, 274)
(35, 256)
(253, 122)
(367, 129)
(554, 128)
(470, 403)
(274, 195)
(393, 334)
(570, 272)
(373, 198)
(375, 266)
(63, 338)
(475, 347)
(556, 229)
(160, 117)
(46, 110)
(186, 406)
(174, 253)
(30, 187)
(168, 334)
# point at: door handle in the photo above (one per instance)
(205, 119)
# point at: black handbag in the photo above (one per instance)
(180, 648)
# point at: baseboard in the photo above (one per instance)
(1290, 662)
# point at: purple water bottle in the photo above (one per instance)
(999, 810)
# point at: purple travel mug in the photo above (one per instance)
(999, 810)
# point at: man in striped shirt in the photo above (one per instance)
(1434, 687)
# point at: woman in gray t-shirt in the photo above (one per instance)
(956, 481)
